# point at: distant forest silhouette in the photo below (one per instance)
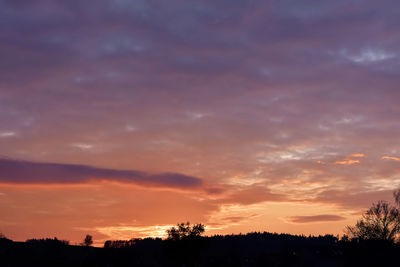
(372, 241)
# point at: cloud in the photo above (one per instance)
(27, 172)
(368, 56)
(252, 195)
(238, 219)
(315, 218)
(357, 155)
(347, 162)
(353, 199)
(391, 158)
(83, 146)
(7, 134)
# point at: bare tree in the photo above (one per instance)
(381, 221)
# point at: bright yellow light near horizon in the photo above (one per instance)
(127, 232)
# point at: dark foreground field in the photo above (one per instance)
(255, 249)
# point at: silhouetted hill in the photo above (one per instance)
(253, 249)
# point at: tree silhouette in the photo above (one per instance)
(88, 241)
(185, 231)
(185, 246)
(381, 221)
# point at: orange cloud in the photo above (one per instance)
(391, 158)
(347, 162)
(357, 155)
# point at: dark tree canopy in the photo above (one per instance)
(185, 230)
(381, 221)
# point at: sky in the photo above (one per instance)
(122, 118)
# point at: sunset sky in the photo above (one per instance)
(120, 118)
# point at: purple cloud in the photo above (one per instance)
(17, 171)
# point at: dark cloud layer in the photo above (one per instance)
(315, 218)
(26, 172)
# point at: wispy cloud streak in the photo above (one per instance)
(315, 218)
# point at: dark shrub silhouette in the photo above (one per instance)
(4, 239)
(88, 241)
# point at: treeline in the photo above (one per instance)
(252, 249)
(129, 243)
(48, 241)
